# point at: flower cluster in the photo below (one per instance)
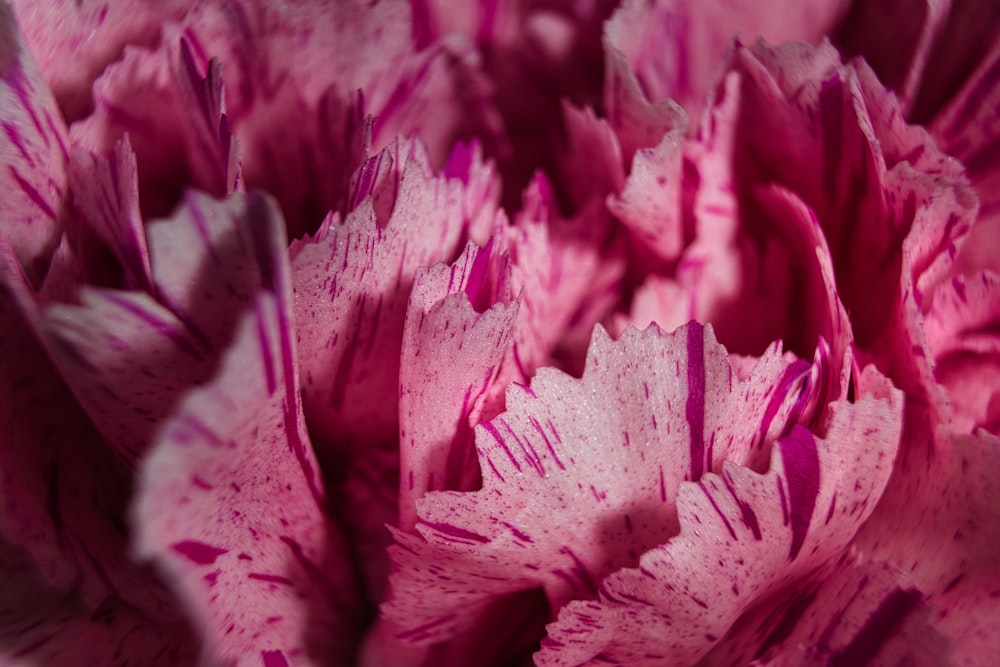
(420, 333)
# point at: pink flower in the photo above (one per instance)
(557, 333)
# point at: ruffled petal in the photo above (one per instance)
(33, 146)
(231, 508)
(580, 476)
(963, 335)
(352, 283)
(743, 536)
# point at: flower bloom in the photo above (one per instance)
(557, 333)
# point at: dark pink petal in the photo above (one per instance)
(592, 164)
(967, 130)
(128, 356)
(40, 626)
(352, 283)
(458, 324)
(74, 40)
(901, 61)
(580, 476)
(230, 508)
(743, 536)
(33, 144)
(63, 491)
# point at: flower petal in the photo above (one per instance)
(742, 536)
(674, 46)
(457, 329)
(74, 40)
(853, 612)
(33, 144)
(579, 476)
(230, 507)
(352, 282)
(106, 195)
(63, 493)
(128, 356)
(40, 626)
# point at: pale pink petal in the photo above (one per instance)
(650, 203)
(352, 282)
(568, 272)
(230, 507)
(637, 122)
(743, 536)
(442, 96)
(33, 146)
(74, 40)
(175, 119)
(580, 476)
(458, 323)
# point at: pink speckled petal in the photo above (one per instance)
(458, 324)
(352, 282)
(580, 476)
(230, 507)
(743, 535)
(938, 524)
(967, 130)
(33, 146)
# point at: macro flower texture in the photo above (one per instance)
(495, 333)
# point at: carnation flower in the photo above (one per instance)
(389, 334)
